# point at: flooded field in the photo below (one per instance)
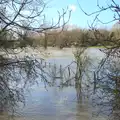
(57, 100)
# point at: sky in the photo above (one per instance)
(78, 18)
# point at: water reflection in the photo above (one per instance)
(108, 92)
(66, 91)
(56, 99)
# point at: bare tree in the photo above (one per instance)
(27, 15)
(107, 74)
(17, 19)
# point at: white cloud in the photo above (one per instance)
(72, 7)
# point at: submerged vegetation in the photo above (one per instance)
(100, 85)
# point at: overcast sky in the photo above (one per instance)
(78, 17)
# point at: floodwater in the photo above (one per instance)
(44, 102)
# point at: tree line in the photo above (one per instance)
(76, 37)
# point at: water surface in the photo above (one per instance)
(44, 102)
